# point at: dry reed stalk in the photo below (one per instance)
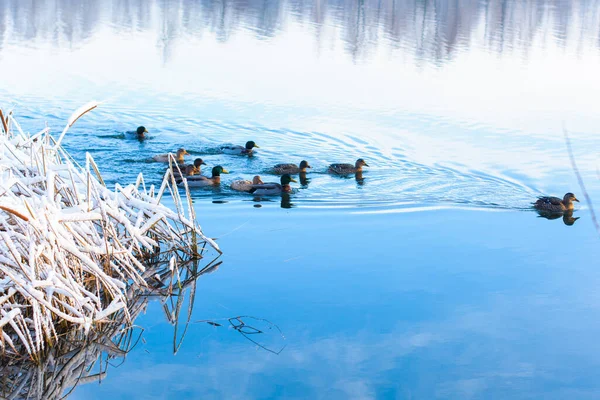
(73, 252)
(4, 124)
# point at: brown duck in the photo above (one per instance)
(281, 169)
(555, 204)
(346, 169)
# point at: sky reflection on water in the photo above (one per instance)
(459, 309)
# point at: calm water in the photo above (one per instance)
(431, 278)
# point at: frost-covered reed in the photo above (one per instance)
(73, 252)
(79, 358)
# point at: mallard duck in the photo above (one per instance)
(190, 169)
(246, 185)
(140, 132)
(555, 204)
(344, 169)
(291, 168)
(201, 180)
(165, 157)
(271, 188)
(239, 150)
(195, 168)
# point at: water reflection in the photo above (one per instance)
(433, 30)
(304, 180)
(80, 357)
(358, 176)
(286, 200)
(567, 216)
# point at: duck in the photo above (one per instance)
(165, 157)
(344, 169)
(555, 204)
(293, 169)
(190, 169)
(239, 150)
(195, 168)
(201, 180)
(271, 188)
(140, 132)
(246, 185)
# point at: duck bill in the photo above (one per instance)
(146, 131)
(293, 180)
(203, 163)
(575, 199)
(224, 171)
(258, 147)
(366, 165)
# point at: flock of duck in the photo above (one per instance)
(192, 173)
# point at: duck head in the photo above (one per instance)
(360, 163)
(181, 152)
(141, 131)
(303, 165)
(198, 162)
(257, 181)
(569, 198)
(250, 145)
(218, 170)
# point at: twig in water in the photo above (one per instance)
(244, 329)
(588, 200)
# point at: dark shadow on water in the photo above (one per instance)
(567, 216)
(360, 181)
(304, 180)
(286, 200)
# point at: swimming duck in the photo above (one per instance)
(201, 180)
(555, 204)
(246, 185)
(190, 169)
(291, 168)
(165, 157)
(195, 168)
(272, 188)
(344, 169)
(141, 132)
(239, 150)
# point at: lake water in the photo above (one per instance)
(429, 278)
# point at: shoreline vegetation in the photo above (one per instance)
(79, 262)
